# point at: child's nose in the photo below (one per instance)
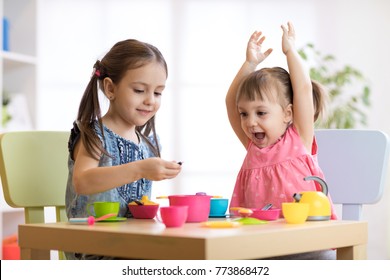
(252, 121)
(150, 98)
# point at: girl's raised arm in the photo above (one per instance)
(302, 88)
(254, 56)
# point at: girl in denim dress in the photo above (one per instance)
(272, 112)
(115, 157)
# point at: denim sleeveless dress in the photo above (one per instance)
(122, 151)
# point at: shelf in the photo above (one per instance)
(18, 76)
(12, 59)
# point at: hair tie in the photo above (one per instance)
(98, 71)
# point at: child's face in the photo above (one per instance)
(137, 97)
(264, 122)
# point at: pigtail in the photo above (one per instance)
(89, 111)
(320, 98)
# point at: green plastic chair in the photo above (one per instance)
(34, 172)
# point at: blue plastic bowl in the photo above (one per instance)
(218, 207)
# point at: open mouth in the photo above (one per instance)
(259, 135)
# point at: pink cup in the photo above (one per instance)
(174, 216)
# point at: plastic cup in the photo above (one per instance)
(218, 207)
(174, 216)
(102, 208)
(294, 212)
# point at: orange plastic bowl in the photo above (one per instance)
(143, 211)
(267, 215)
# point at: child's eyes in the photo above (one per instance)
(243, 114)
(142, 91)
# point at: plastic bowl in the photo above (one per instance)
(218, 207)
(143, 211)
(267, 215)
(198, 206)
(295, 213)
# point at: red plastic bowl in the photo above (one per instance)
(267, 215)
(143, 211)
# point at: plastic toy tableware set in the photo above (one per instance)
(218, 207)
(245, 217)
(199, 207)
(307, 206)
(103, 211)
(144, 208)
(91, 219)
(255, 216)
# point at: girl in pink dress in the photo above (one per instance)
(272, 112)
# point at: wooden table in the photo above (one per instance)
(149, 239)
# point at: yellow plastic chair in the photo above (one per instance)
(34, 172)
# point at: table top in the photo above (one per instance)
(150, 239)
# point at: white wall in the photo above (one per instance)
(204, 44)
(358, 33)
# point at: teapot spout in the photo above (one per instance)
(297, 197)
(323, 184)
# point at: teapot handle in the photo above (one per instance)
(323, 184)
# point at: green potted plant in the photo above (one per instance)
(6, 117)
(349, 91)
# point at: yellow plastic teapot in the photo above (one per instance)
(319, 204)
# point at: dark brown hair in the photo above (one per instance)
(259, 84)
(124, 55)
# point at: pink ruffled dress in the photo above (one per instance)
(273, 174)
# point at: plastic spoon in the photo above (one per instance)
(245, 219)
(91, 219)
(221, 224)
(267, 207)
(138, 202)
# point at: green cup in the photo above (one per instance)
(101, 208)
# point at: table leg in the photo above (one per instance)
(33, 254)
(358, 252)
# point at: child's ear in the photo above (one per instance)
(109, 88)
(288, 113)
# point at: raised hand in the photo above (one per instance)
(288, 38)
(254, 54)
